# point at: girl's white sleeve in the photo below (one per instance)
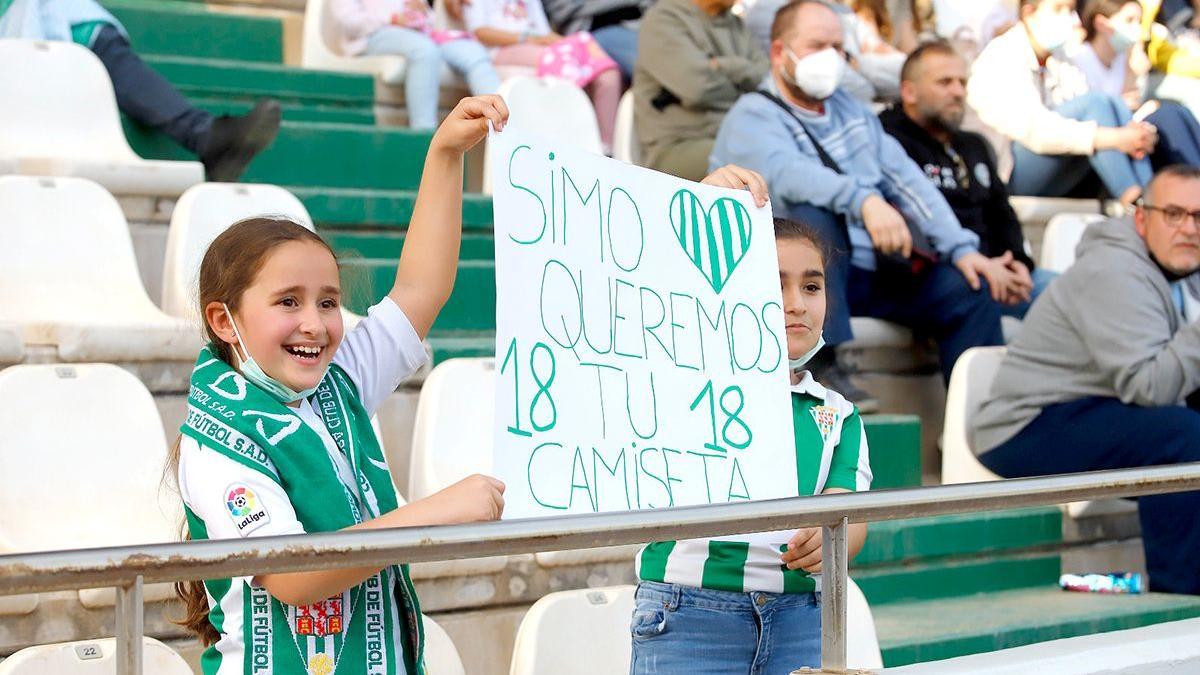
(232, 499)
(381, 351)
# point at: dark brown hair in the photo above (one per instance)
(230, 266)
(913, 62)
(881, 15)
(786, 228)
(1105, 8)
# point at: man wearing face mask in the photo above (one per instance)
(928, 122)
(1097, 377)
(828, 161)
(1061, 131)
(694, 59)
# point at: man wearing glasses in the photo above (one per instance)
(1098, 376)
(927, 122)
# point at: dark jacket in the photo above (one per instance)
(982, 206)
(572, 16)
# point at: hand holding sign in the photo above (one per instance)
(640, 355)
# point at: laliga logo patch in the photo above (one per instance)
(245, 510)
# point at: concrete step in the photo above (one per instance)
(321, 154)
(233, 80)
(895, 445)
(472, 304)
(929, 630)
(190, 29)
(292, 111)
(381, 212)
(971, 534)
(957, 577)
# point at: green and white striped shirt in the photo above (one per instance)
(831, 452)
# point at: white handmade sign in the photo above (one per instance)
(640, 354)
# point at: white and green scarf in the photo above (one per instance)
(350, 633)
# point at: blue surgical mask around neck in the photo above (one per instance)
(797, 364)
(253, 372)
(1125, 35)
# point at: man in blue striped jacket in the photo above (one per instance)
(866, 195)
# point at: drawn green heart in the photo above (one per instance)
(714, 239)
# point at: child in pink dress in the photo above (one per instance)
(519, 35)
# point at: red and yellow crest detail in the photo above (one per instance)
(826, 419)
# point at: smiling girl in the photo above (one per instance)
(751, 603)
(278, 437)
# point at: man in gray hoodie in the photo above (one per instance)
(1097, 377)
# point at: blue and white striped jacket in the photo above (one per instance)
(758, 135)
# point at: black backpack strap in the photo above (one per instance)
(824, 156)
(923, 251)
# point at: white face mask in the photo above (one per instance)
(1053, 31)
(253, 372)
(797, 364)
(1125, 35)
(818, 74)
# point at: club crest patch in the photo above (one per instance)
(320, 618)
(983, 175)
(826, 419)
(245, 508)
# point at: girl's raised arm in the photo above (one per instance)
(429, 261)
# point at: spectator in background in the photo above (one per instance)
(1173, 51)
(613, 23)
(855, 81)
(405, 28)
(928, 123)
(876, 58)
(999, 20)
(225, 143)
(1098, 374)
(1114, 63)
(694, 59)
(1026, 91)
(828, 162)
(874, 26)
(905, 27)
(1179, 15)
(520, 35)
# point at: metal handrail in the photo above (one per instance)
(129, 567)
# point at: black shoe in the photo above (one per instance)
(234, 141)
(835, 377)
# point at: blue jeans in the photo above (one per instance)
(620, 43)
(1041, 279)
(1091, 434)
(941, 305)
(1178, 136)
(680, 629)
(1037, 175)
(424, 68)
